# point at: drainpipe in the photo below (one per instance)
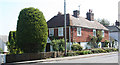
(69, 38)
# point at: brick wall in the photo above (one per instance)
(106, 36)
(85, 32)
(85, 35)
(32, 56)
(61, 37)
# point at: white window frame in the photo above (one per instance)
(60, 31)
(78, 31)
(103, 33)
(94, 30)
(51, 31)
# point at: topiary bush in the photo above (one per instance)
(32, 31)
(76, 47)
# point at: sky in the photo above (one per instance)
(9, 10)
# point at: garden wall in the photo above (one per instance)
(32, 56)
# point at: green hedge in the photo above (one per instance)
(76, 47)
(83, 52)
(71, 54)
(97, 50)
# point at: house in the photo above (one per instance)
(78, 28)
(3, 40)
(114, 32)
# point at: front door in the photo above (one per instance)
(48, 47)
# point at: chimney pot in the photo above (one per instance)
(76, 13)
(90, 15)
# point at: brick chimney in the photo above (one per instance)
(117, 23)
(59, 13)
(76, 13)
(90, 15)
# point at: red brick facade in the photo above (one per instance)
(85, 32)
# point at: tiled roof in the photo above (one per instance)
(58, 21)
(113, 28)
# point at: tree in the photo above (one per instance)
(104, 22)
(12, 48)
(32, 31)
(94, 41)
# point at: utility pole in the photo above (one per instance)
(65, 25)
(79, 7)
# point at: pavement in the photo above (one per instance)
(62, 58)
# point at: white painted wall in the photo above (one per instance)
(114, 35)
(119, 11)
(84, 45)
(3, 46)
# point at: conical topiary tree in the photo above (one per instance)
(32, 31)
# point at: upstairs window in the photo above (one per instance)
(78, 31)
(102, 33)
(94, 32)
(51, 31)
(60, 31)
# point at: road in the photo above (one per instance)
(112, 58)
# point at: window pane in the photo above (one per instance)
(78, 31)
(60, 31)
(51, 32)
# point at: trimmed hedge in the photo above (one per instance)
(97, 50)
(71, 54)
(32, 31)
(83, 52)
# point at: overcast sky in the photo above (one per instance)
(9, 10)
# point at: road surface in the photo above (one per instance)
(112, 58)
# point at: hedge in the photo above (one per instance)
(97, 50)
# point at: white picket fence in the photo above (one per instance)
(2, 58)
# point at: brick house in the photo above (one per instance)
(78, 28)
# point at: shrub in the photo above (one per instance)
(58, 44)
(71, 54)
(32, 31)
(98, 50)
(110, 49)
(76, 47)
(83, 52)
(94, 51)
(106, 43)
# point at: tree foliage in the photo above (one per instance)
(106, 43)
(12, 48)
(1, 50)
(104, 22)
(76, 47)
(32, 31)
(95, 39)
